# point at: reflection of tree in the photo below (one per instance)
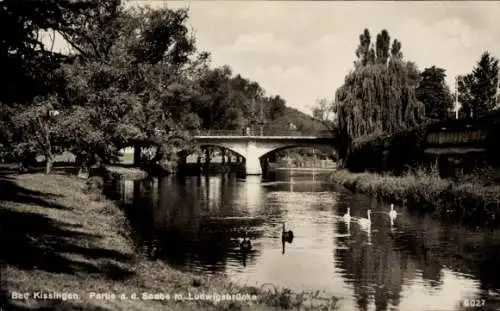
(138, 210)
(426, 261)
(188, 223)
(424, 244)
(471, 252)
(375, 270)
(222, 199)
(211, 246)
(434, 245)
(380, 270)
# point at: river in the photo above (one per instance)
(418, 263)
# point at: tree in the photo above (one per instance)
(434, 93)
(498, 95)
(34, 75)
(377, 97)
(234, 102)
(27, 65)
(324, 111)
(137, 84)
(478, 89)
(365, 51)
(383, 44)
(276, 107)
(217, 98)
(35, 129)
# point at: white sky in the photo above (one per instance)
(302, 50)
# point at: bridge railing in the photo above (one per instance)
(290, 133)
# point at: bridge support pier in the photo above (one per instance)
(252, 166)
(252, 162)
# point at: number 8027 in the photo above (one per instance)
(475, 303)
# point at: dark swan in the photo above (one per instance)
(286, 235)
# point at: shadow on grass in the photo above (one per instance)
(9, 191)
(32, 241)
(7, 305)
(57, 168)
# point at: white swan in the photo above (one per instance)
(347, 215)
(392, 213)
(366, 222)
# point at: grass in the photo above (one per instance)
(57, 235)
(126, 172)
(466, 196)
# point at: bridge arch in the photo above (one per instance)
(236, 151)
(226, 157)
(329, 150)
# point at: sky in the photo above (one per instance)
(302, 50)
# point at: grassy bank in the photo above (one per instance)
(58, 236)
(126, 172)
(471, 196)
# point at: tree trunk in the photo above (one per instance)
(82, 170)
(82, 164)
(181, 161)
(97, 161)
(49, 162)
(160, 154)
(21, 168)
(137, 155)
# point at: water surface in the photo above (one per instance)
(417, 263)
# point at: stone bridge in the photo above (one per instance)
(255, 147)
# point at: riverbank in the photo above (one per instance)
(428, 191)
(60, 237)
(304, 169)
(127, 172)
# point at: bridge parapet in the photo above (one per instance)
(319, 134)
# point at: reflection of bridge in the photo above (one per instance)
(253, 147)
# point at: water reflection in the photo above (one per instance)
(410, 262)
(284, 242)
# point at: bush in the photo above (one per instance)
(388, 153)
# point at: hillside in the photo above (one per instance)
(304, 123)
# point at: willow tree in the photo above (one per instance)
(378, 96)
